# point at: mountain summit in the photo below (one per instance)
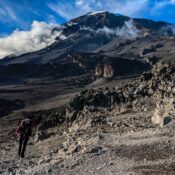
(89, 40)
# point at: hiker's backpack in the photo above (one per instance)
(24, 128)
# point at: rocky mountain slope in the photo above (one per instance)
(103, 35)
(101, 97)
(126, 127)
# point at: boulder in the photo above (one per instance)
(41, 135)
(108, 71)
(99, 70)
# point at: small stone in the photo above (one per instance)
(98, 168)
(111, 163)
(49, 170)
(41, 161)
(48, 160)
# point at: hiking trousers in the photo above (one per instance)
(22, 146)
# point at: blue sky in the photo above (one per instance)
(19, 14)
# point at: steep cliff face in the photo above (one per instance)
(99, 70)
(108, 71)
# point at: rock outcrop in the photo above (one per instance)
(157, 84)
(108, 71)
(99, 70)
(103, 122)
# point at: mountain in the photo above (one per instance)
(101, 99)
(95, 38)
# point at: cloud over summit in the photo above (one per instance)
(128, 31)
(19, 42)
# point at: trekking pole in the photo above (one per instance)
(13, 130)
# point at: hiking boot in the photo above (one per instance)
(22, 155)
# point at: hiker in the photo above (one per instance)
(24, 131)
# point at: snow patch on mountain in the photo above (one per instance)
(71, 23)
(97, 12)
(62, 37)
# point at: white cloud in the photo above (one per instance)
(173, 1)
(128, 31)
(69, 10)
(52, 19)
(132, 8)
(20, 42)
(12, 14)
(4, 10)
(8, 10)
(159, 5)
(169, 29)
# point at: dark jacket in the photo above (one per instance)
(24, 129)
